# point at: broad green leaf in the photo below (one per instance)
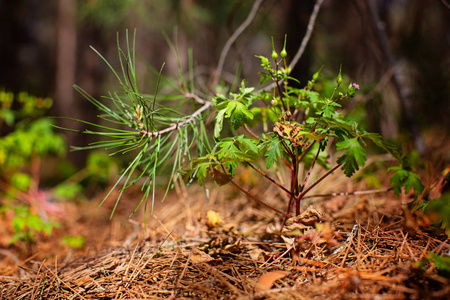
(219, 123)
(274, 151)
(389, 147)
(407, 179)
(353, 158)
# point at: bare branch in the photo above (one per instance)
(190, 119)
(309, 30)
(301, 49)
(445, 4)
(232, 39)
(403, 92)
(366, 192)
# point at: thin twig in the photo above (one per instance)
(403, 93)
(232, 39)
(63, 282)
(305, 181)
(309, 31)
(183, 123)
(366, 192)
(445, 4)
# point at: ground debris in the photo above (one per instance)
(374, 263)
(368, 254)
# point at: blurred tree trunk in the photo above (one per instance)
(297, 15)
(66, 65)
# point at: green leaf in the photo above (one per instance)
(219, 123)
(441, 208)
(249, 143)
(353, 158)
(274, 151)
(245, 92)
(389, 147)
(264, 78)
(21, 181)
(442, 263)
(34, 222)
(265, 63)
(311, 95)
(218, 99)
(73, 241)
(18, 223)
(328, 111)
(407, 179)
(67, 191)
(7, 116)
(337, 123)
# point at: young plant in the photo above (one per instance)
(31, 139)
(298, 127)
(27, 224)
(302, 122)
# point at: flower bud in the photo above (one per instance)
(274, 55)
(284, 52)
(339, 79)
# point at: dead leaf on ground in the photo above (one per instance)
(296, 226)
(266, 281)
(198, 257)
(257, 254)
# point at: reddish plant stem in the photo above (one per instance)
(287, 163)
(305, 181)
(294, 188)
(286, 148)
(248, 194)
(305, 151)
(261, 172)
(293, 191)
(269, 178)
(319, 180)
(250, 132)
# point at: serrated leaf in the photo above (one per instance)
(353, 158)
(328, 111)
(407, 179)
(337, 124)
(219, 123)
(389, 147)
(311, 95)
(264, 78)
(245, 91)
(218, 99)
(273, 152)
(238, 113)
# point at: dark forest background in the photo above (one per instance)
(397, 50)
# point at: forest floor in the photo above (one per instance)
(360, 246)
